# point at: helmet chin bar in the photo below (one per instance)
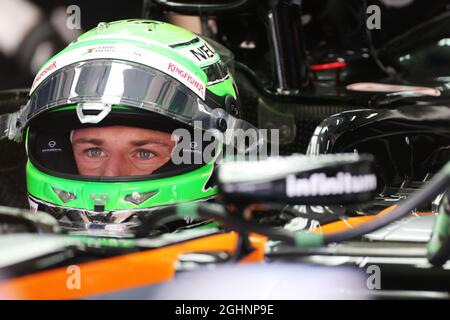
(76, 219)
(118, 224)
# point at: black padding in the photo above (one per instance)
(54, 151)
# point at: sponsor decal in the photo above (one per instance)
(45, 71)
(202, 54)
(101, 49)
(319, 184)
(382, 87)
(51, 147)
(185, 77)
(123, 49)
(124, 52)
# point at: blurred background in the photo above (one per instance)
(31, 31)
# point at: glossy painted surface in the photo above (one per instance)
(120, 272)
(409, 143)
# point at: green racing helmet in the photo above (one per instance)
(139, 73)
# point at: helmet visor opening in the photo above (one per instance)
(128, 145)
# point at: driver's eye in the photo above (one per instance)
(94, 152)
(145, 154)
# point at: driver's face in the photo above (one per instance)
(120, 151)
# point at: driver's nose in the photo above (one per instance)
(114, 167)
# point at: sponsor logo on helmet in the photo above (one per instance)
(202, 54)
(128, 53)
(46, 70)
(51, 147)
(184, 76)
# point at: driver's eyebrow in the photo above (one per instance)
(94, 141)
(140, 143)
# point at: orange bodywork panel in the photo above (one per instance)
(144, 268)
(121, 272)
(353, 222)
